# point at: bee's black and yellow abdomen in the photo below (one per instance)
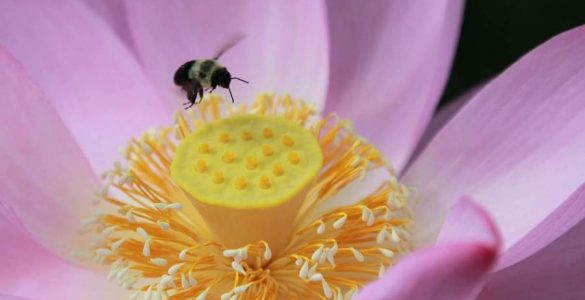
(182, 74)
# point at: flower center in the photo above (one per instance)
(247, 175)
(262, 202)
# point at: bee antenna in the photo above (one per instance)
(231, 95)
(240, 79)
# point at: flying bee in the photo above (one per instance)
(204, 75)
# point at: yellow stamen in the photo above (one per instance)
(239, 203)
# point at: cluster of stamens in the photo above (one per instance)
(161, 242)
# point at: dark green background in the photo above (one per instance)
(495, 33)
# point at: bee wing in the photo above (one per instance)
(231, 43)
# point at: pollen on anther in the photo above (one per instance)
(267, 133)
(228, 157)
(201, 166)
(218, 177)
(287, 141)
(240, 183)
(251, 162)
(224, 137)
(247, 136)
(265, 182)
(267, 150)
(204, 148)
(277, 170)
(294, 158)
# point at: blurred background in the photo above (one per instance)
(496, 33)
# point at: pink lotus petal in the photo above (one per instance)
(516, 147)
(29, 270)
(9, 297)
(284, 50)
(555, 272)
(468, 222)
(92, 80)
(442, 117)
(389, 63)
(44, 177)
(455, 269)
(565, 217)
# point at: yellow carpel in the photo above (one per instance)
(276, 154)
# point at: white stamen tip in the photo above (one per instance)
(116, 245)
(340, 222)
(357, 254)
(395, 237)
(381, 271)
(386, 252)
(183, 254)
(184, 282)
(165, 280)
(175, 268)
(238, 267)
(242, 288)
(317, 254)
(163, 225)
(321, 228)
(146, 248)
(90, 221)
(267, 253)
(326, 289)
(381, 237)
(161, 262)
(226, 296)
(304, 270)
(316, 277)
(109, 230)
(203, 295)
(298, 261)
(142, 233)
(130, 217)
(192, 280)
(104, 252)
(173, 206)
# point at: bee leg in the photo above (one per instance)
(200, 95)
(192, 97)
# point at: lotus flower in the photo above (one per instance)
(78, 80)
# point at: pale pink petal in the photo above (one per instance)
(93, 81)
(516, 147)
(441, 117)
(9, 297)
(31, 271)
(389, 63)
(284, 50)
(454, 269)
(44, 177)
(468, 222)
(555, 272)
(565, 217)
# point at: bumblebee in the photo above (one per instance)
(198, 76)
